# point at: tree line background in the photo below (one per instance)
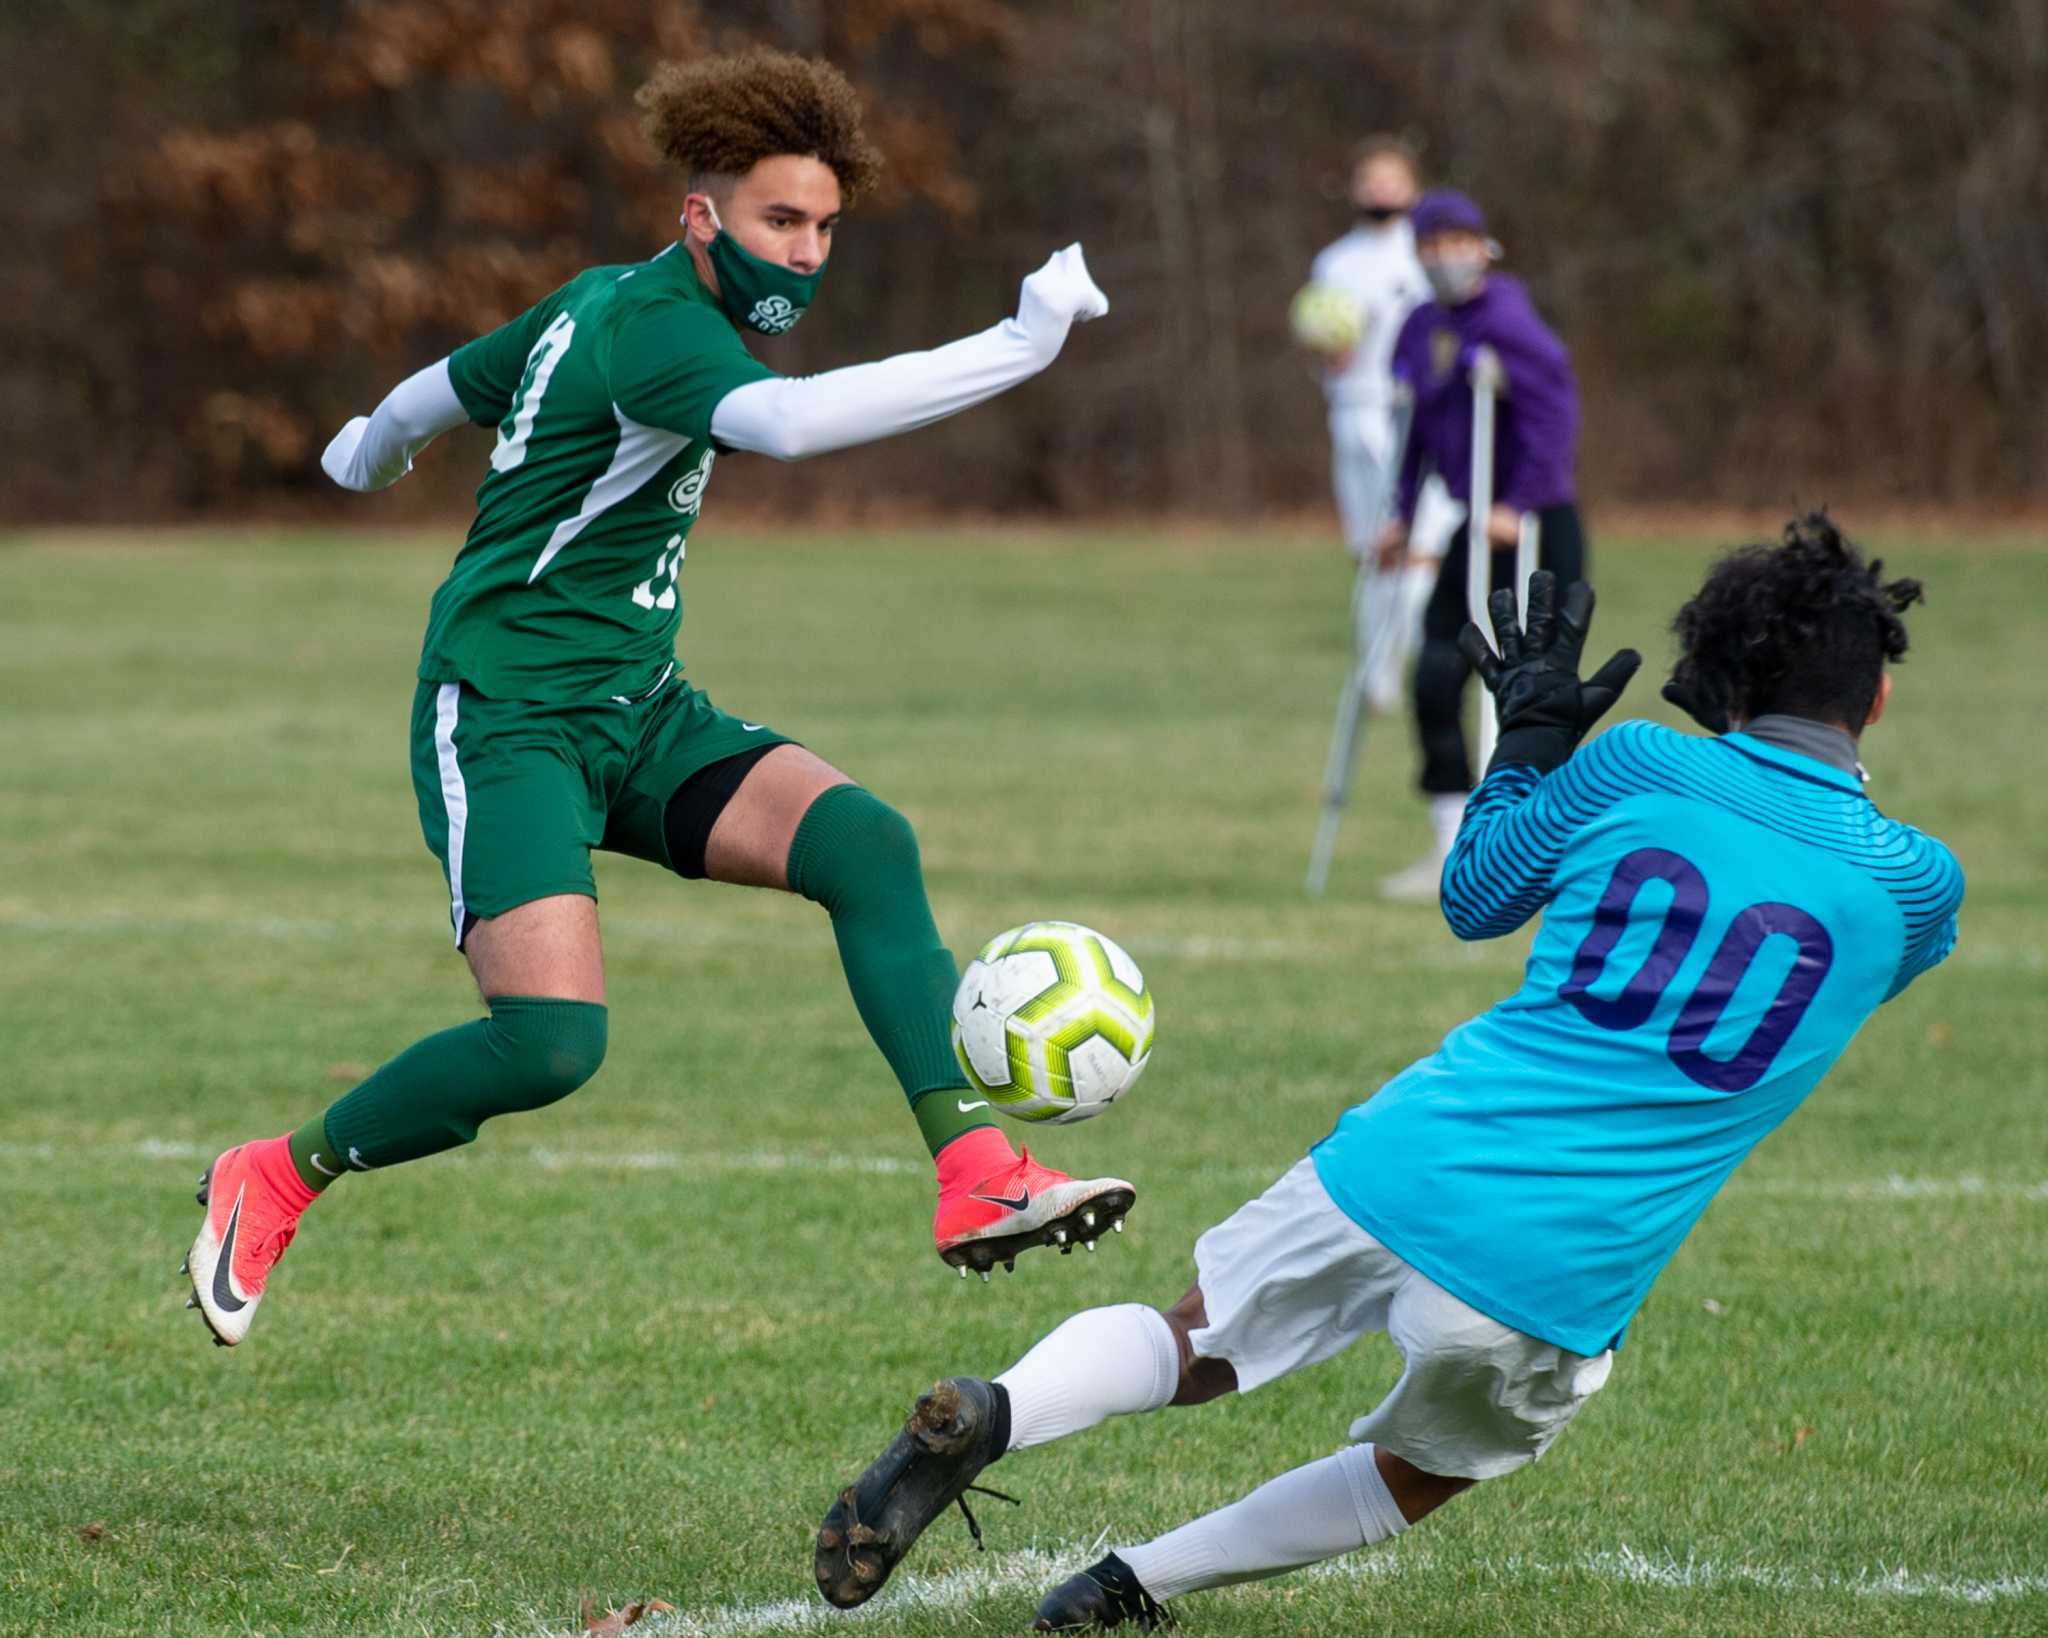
(1797, 246)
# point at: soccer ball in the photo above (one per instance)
(1052, 1022)
(1325, 319)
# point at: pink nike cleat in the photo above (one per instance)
(253, 1199)
(1024, 1204)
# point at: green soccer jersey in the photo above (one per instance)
(566, 588)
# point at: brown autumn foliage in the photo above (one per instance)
(1796, 244)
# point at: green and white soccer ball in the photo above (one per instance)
(1325, 319)
(1052, 1022)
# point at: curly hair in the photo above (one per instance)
(1804, 627)
(719, 117)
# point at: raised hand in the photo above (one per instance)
(1059, 295)
(339, 461)
(1544, 709)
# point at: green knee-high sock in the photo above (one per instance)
(435, 1094)
(857, 856)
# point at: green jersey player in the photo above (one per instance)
(549, 717)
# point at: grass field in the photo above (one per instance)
(633, 1344)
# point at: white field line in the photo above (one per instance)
(1035, 1570)
(694, 934)
(547, 1160)
(1895, 1187)
(1643, 1570)
(1899, 1187)
(749, 1160)
(1336, 942)
(1031, 1571)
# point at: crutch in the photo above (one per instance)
(1527, 543)
(1487, 381)
(1370, 631)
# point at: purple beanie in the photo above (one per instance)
(1445, 210)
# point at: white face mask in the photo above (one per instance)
(1454, 279)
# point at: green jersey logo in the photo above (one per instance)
(686, 494)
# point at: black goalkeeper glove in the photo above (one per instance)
(1544, 709)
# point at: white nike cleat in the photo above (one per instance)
(253, 1199)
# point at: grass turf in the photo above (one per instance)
(632, 1344)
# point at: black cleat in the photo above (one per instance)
(954, 1431)
(1104, 1595)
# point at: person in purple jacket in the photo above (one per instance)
(1536, 431)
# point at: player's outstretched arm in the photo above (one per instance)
(792, 417)
(377, 449)
(1518, 822)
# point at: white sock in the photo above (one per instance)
(1446, 814)
(1315, 1512)
(1101, 1363)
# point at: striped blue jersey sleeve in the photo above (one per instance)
(1519, 826)
(1928, 885)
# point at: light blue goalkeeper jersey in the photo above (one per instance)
(1719, 918)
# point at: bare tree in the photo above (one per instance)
(1796, 249)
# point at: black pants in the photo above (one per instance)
(1441, 671)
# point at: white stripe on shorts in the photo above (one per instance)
(454, 797)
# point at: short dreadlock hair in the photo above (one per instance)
(1804, 627)
(715, 119)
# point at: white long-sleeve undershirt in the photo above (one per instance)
(784, 417)
(377, 449)
(789, 417)
(792, 417)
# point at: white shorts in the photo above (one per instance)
(1288, 1280)
(1362, 472)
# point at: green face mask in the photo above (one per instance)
(762, 295)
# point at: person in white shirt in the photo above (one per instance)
(1375, 263)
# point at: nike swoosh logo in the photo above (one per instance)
(1017, 1204)
(223, 1290)
(979, 1104)
(752, 727)
(322, 1170)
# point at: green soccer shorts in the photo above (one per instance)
(513, 795)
